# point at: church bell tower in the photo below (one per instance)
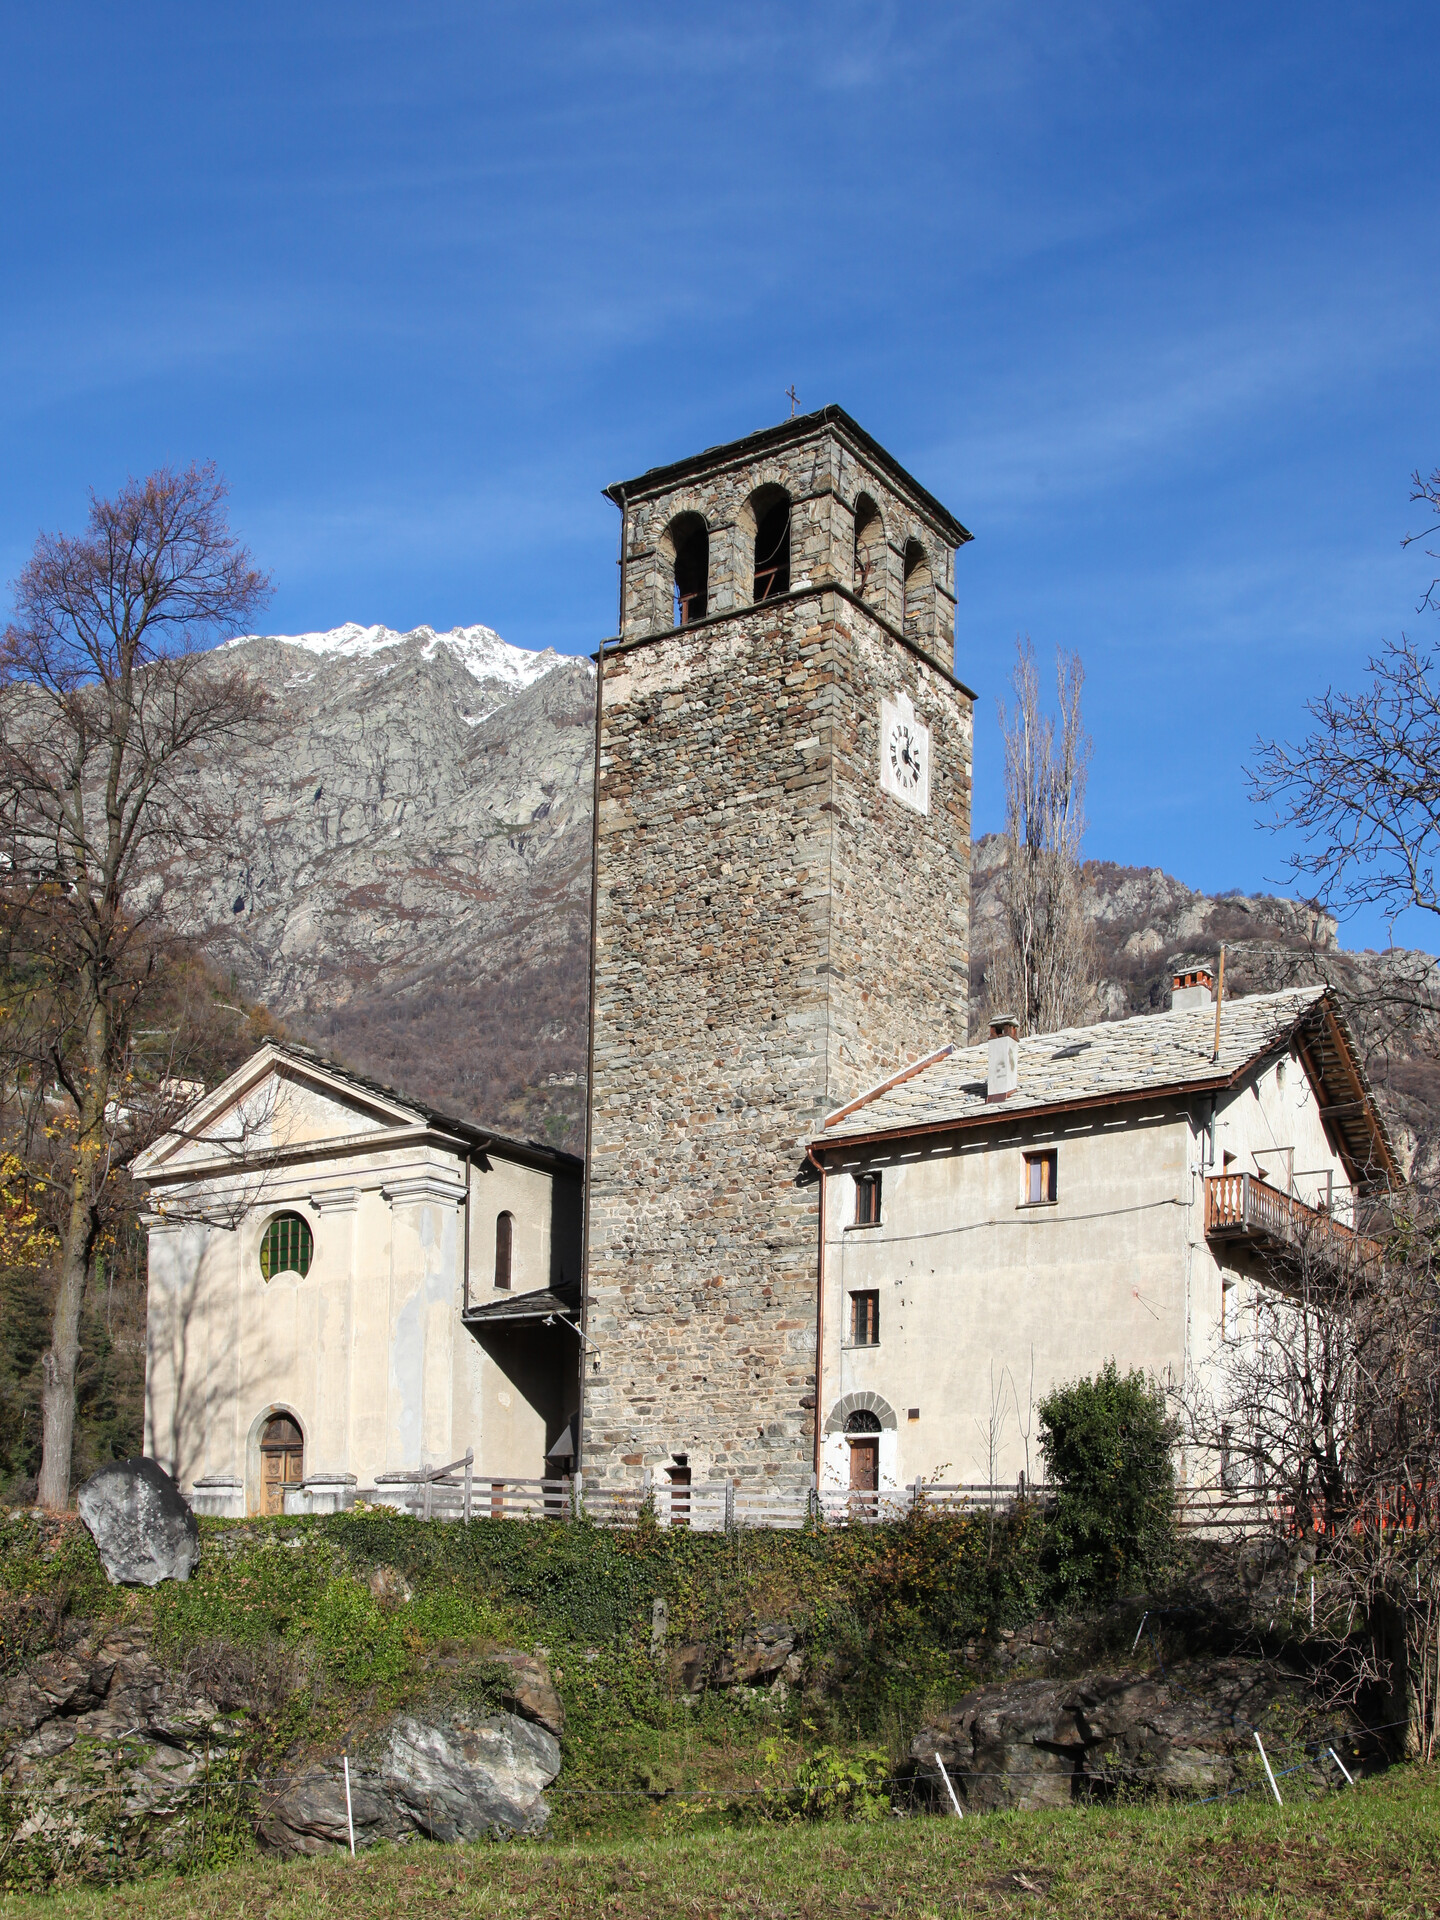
(781, 918)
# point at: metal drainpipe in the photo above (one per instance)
(465, 1295)
(819, 1166)
(590, 1041)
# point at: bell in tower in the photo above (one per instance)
(782, 908)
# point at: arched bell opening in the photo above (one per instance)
(869, 556)
(770, 510)
(686, 546)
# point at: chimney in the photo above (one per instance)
(1193, 985)
(1004, 1071)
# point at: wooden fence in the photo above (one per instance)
(457, 1491)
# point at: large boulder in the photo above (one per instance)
(1042, 1743)
(141, 1523)
(446, 1776)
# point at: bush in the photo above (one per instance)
(1107, 1444)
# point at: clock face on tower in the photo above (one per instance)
(904, 754)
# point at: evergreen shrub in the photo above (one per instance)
(1107, 1445)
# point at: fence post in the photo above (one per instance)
(425, 1503)
(577, 1494)
(916, 1495)
(469, 1465)
(729, 1506)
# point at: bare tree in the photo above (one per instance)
(1361, 792)
(1322, 1402)
(107, 702)
(1043, 972)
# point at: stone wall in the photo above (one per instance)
(773, 934)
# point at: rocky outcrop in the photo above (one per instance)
(104, 1754)
(759, 1658)
(141, 1524)
(530, 1691)
(441, 1776)
(1024, 1744)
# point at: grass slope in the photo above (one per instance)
(1375, 1852)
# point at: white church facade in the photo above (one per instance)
(334, 1273)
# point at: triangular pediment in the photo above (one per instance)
(276, 1104)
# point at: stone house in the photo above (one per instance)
(345, 1283)
(1011, 1215)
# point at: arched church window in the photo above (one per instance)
(688, 539)
(286, 1246)
(869, 550)
(771, 509)
(504, 1248)
(917, 587)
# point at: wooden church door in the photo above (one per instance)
(282, 1462)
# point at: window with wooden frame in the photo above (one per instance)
(865, 1318)
(1040, 1170)
(867, 1199)
(504, 1249)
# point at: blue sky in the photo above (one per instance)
(1146, 294)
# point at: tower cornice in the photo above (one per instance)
(805, 426)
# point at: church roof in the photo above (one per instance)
(174, 1153)
(474, 1132)
(1122, 1061)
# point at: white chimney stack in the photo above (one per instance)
(1192, 986)
(1003, 1076)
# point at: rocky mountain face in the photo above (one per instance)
(1142, 919)
(407, 882)
(407, 886)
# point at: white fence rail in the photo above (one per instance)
(458, 1491)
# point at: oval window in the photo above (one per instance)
(286, 1247)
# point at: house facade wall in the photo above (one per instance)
(986, 1302)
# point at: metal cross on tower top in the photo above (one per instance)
(792, 397)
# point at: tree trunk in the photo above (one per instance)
(77, 1247)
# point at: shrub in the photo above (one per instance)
(1107, 1444)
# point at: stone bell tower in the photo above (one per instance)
(782, 917)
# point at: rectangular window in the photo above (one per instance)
(1039, 1179)
(1229, 1465)
(865, 1319)
(867, 1199)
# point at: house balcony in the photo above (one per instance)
(1245, 1207)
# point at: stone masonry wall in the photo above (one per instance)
(773, 934)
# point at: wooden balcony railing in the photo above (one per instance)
(1242, 1206)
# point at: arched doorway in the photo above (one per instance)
(862, 1431)
(282, 1461)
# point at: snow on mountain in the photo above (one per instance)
(480, 650)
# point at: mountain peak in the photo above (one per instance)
(479, 650)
